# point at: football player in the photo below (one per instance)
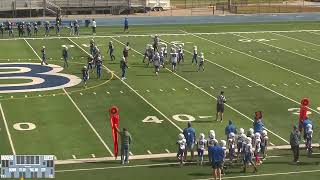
(248, 155)
(47, 28)
(150, 55)
(240, 143)
(174, 59)
(308, 138)
(156, 62)
(99, 66)
(146, 53)
(201, 143)
(29, 29)
(126, 51)
(223, 144)
(10, 29)
(156, 41)
(232, 146)
(180, 53)
(2, 29)
(264, 143)
(201, 62)
(35, 28)
(251, 134)
(195, 55)
(257, 147)
(65, 56)
(210, 143)
(90, 62)
(111, 50)
(85, 75)
(162, 57)
(123, 66)
(182, 142)
(76, 28)
(43, 56)
(92, 46)
(71, 28)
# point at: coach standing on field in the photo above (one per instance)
(220, 106)
(126, 141)
(295, 138)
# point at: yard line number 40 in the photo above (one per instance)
(177, 117)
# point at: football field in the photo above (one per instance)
(260, 67)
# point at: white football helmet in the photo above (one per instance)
(181, 136)
(309, 126)
(202, 136)
(251, 131)
(241, 130)
(223, 143)
(232, 135)
(248, 140)
(264, 132)
(257, 135)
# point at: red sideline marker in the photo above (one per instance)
(114, 121)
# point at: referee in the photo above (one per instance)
(220, 106)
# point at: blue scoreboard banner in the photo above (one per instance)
(27, 166)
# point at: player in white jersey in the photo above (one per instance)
(182, 142)
(264, 143)
(257, 147)
(223, 144)
(248, 152)
(174, 59)
(195, 55)
(180, 54)
(240, 143)
(165, 52)
(201, 62)
(162, 58)
(201, 144)
(250, 134)
(146, 52)
(156, 63)
(232, 145)
(210, 142)
(308, 136)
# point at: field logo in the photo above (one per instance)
(42, 78)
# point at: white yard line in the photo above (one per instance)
(197, 87)
(91, 126)
(293, 52)
(244, 77)
(7, 129)
(164, 34)
(133, 90)
(32, 49)
(263, 60)
(295, 39)
(269, 174)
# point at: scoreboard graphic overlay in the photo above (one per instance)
(27, 166)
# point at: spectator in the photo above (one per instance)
(220, 106)
(126, 141)
(217, 160)
(190, 135)
(231, 128)
(295, 138)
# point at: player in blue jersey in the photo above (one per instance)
(190, 135)
(126, 25)
(111, 51)
(65, 56)
(99, 66)
(85, 76)
(43, 56)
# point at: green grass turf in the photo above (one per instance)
(61, 130)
